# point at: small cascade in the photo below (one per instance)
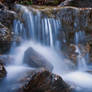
(40, 29)
(79, 37)
(82, 63)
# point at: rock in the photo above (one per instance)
(39, 80)
(77, 3)
(5, 39)
(7, 17)
(40, 2)
(2, 71)
(34, 59)
(45, 81)
(6, 21)
(52, 2)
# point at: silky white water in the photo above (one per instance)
(82, 61)
(41, 34)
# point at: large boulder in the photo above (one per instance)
(34, 59)
(45, 81)
(2, 71)
(39, 80)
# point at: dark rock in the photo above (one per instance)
(40, 2)
(39, 80)
(34, 59)
(77, 3)
(5, 39)
(7, 17)
(6, 21)
(45, 81)
(2, 71)
(36, 80)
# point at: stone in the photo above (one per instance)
(7, 17)
(45, 81)
(6, 21)
(5, 39)
(34, 59)
(39, 80)
(77, 3)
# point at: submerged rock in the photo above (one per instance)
(34, 59)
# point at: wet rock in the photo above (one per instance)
(76, 20)
(36, 80)
(34, 59)
(77, 3)
(5, 39)
(7, 17)
(2, 71)
(39, 2)
(70, 52)
(6, 21)
(39, 80)
(45, 81)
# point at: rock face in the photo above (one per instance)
(6, 17)
(5, 39)
(76, 20)
(34, 59)
(2, 71)
(77, 3)
(40, 2)
(6, 21)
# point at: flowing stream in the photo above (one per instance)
(41, 34)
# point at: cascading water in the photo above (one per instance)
(41, 33)
(79, 37)
(42, 30)
(38, 31)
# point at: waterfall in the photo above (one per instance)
(40, 33)
(42, 30)
(82, 63)
(32, 29)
